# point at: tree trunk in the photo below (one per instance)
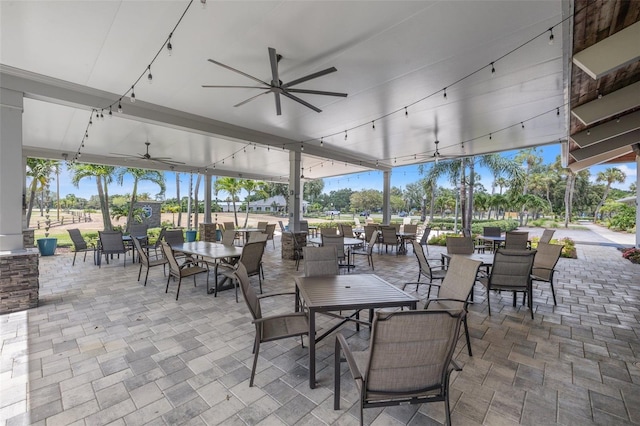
(463, 192)
(601, 203)
(106, 222)
(179, 200)
(433, 201)
(195, 202)
(470, 199)
(246, 218)
(133, 200)
(568, 199)
(32, 196)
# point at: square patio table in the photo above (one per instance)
(331, 293)
(209, 250)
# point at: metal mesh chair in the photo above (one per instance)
(459, 245)
(111, 243)
(80, 245)
(436, 272)
(187, 269)
(547, 234)
(251, 258)
(409, 360)
(366, 251)
(544, 264)
(320, 261)
(338, 242)
(268, 328)
(145, 261)
(270, 231)
(516, 240)
(389, 237)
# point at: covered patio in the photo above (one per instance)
(100, 350)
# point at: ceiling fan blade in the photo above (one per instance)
(278, 106)
(297, 99)
(273, 58)
(238, 71)
(309, 77)
(252, 98)
(208, 86)
(317, 92)
(168, 162)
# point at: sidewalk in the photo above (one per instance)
(619, 239)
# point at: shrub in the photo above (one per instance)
(633, 254)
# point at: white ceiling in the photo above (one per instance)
(389, 54)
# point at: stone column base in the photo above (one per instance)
(287, 244)
(19, 280)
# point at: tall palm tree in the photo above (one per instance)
(252, 186)
(178, 198)
(139, 175)
(103, 176)
(196, 201)
(231, 186)
(39, 170)
(609, 176)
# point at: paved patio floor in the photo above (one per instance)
(103, 349)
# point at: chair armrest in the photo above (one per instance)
(283, 293)
(269, 318)
(446, 299)
(418, 283)
(341, 342)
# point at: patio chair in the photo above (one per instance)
(80, 245)
(253, 237)
(138, 231)
(251, 258)
(511, 271)
(298, 252)
(409, 360)
(262, 225)
(436, 272)
(338, 241)
(270, 230)
(320, 261)
(410, 229)
(190, 268)
(544, 264)
(424, 239)
(516, 240)
(269, 328)
(229, 226)
(459, 245)
(356, 220)
(228, 237)
(547, 234)
(370, 230)
(174, 236)
(145, 261)
(282, 228)
(366, 251)
(111, 243)
(156, 245)
(304, 226)
(489, 231)
(388, 237)
(456, 289)
(330, 230)
(346, 231)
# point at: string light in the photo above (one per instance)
(86, 135)
(149, 75)
(558, 111)
(169, 45)
(373, 125)
(322, 141)
(522, 124)
(133, 95)
(120, 106)
(345, 135)
(445, 93)
(101, 114)
(493, 70)
(406, 113)
(302, 174)
(110, 112)
(203, 3)
(301, 146)
(490, 136)
(550, 36)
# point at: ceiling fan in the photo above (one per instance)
(147, 156)
(277, 87)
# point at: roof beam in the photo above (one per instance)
(608, 106)
(595, 149)
(607, 130)
(612, 53)
(598, 159)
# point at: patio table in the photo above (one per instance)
(331, 293)
(209, 250)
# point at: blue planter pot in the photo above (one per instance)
(191, 235)
(47, 246)
(218, 235)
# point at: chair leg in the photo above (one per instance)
(489, 300)
(85, 257)
(166, 290)
(140, 272)
(255, 358)
(466, 332)
(178, 291)
(75, 253)
(146, 276)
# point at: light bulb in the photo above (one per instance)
(550, 36)
(119, 107)
(150, 76)
(133, 95)
(110, 112)
(169, 47)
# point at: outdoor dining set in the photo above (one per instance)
(501, 263)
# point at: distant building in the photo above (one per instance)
(277, 204)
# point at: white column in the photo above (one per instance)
(295, 191)
(386, 197)
(637, 201)
(207, 197)
(11, 171)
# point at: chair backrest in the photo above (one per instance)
(425, 236)
(511, 269)
(262, 225)
(251, 256)
(410, 229)
(459, 245)
(346, 230)
(389, 234)
(304, 226)
(356, 220)
(250, 297)
(396, 226)
(229, 225)
(406, 220)
(270, 230)
(174, 268)
(282, 228)
(336, 240)
(257, 237)
(160, 237)
(141, 253)
(461, 275)
(410, 351)
(547, 234)
(320, 261)
(331, 230)
(111, 242)
(174, 236)
(138, 230)
(372, 242)
(491, 231)
(516, 240)
(78, 241)
(228, 236)
(369, 230)
(546, 260)
(466, 232)
(422, 259)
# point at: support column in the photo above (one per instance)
(386, 197)
(637, 201)
(207, 197)
(295, 190)
(12, 198)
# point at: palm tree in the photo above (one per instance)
(39, 170)
(178, 198)
(610, 176)
(104, 176)
(231, 186)
(252, 186)
(196, 201)
(139, 175)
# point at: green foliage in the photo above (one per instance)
(624, 219)
(633, 254)
(438, 240)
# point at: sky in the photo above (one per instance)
(400, 177)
